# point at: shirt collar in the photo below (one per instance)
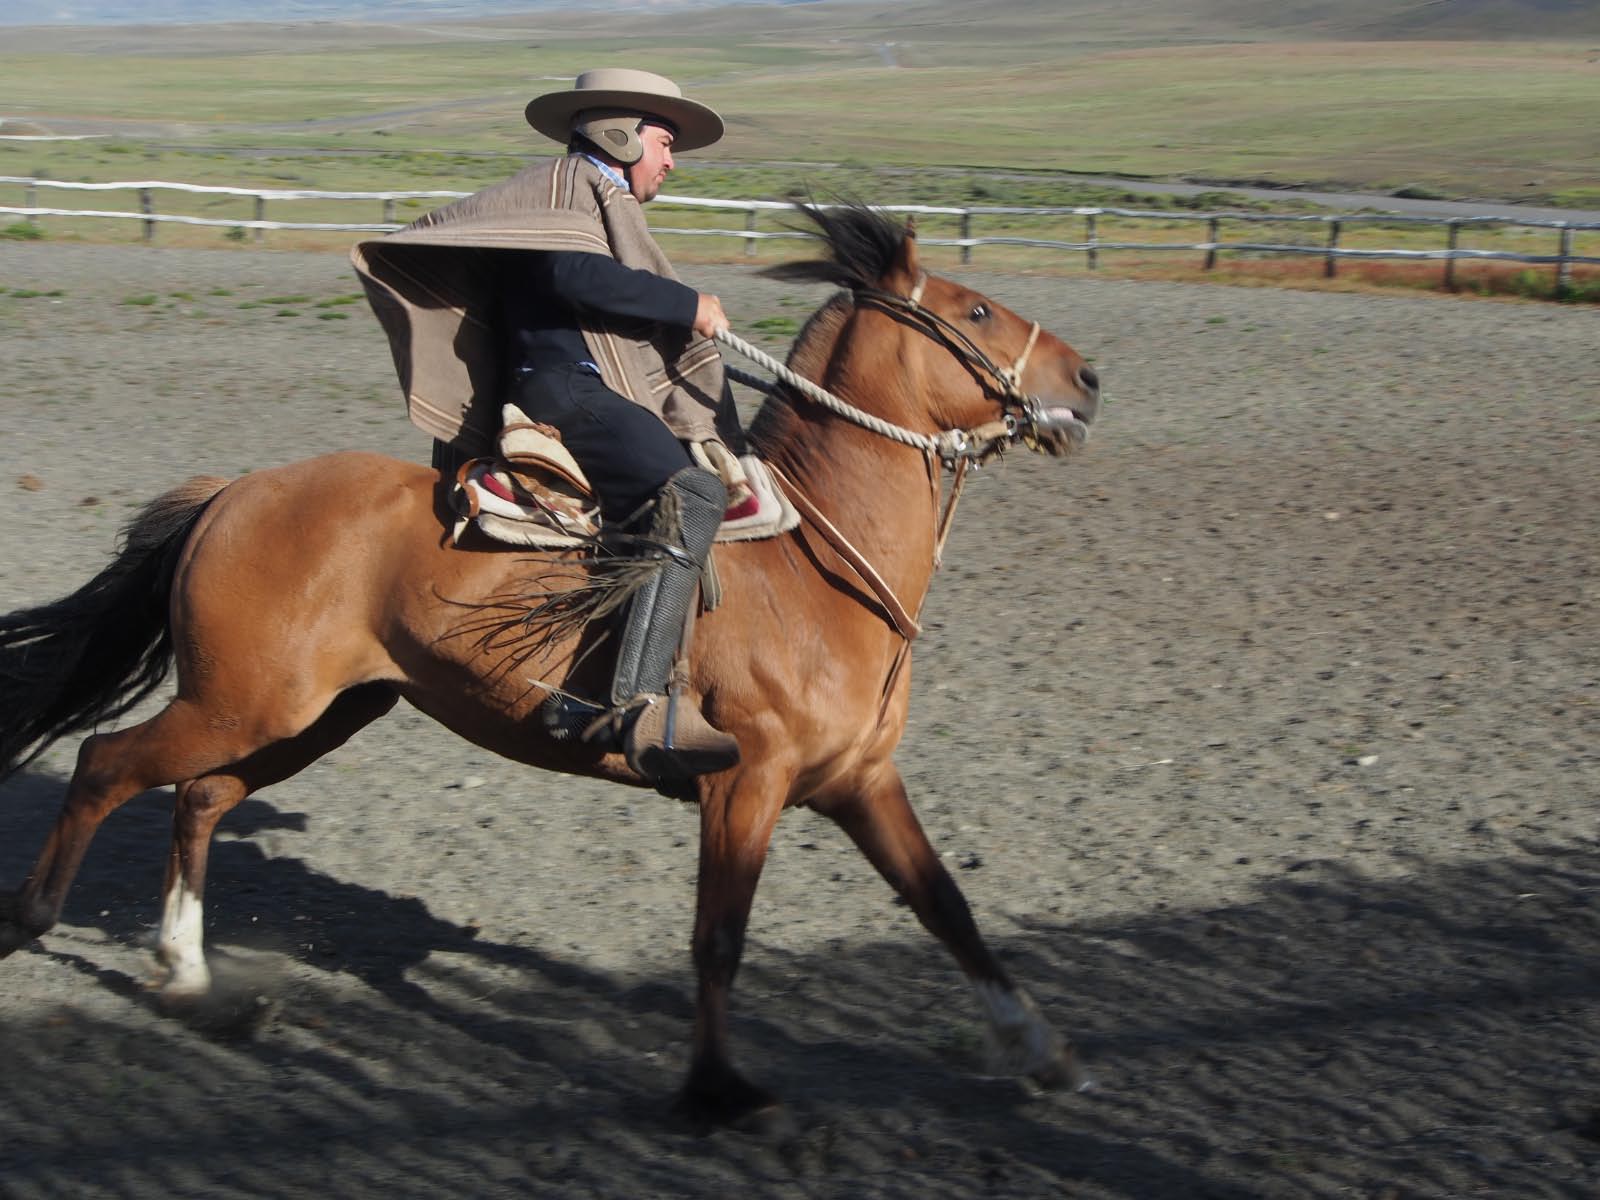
(608, 171)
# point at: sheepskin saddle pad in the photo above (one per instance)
(532, 492)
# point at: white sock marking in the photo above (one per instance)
(181, 944)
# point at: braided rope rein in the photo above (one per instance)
(948, 446)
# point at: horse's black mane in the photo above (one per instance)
(862, 244)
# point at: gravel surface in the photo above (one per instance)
(1263, 735)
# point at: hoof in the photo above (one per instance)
(1022, 1044)
(177, 999)
(185, 986)
(1064, 1074)
(773, 1124)
(12, 938)
(13, 933)
(729, 1101)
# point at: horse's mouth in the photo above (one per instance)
(1058, 431)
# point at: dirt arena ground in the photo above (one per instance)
(1263, 737)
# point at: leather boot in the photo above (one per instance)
(666, 736)
(670, 739)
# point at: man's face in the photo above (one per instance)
(646, 176)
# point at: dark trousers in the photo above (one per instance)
(627, 452)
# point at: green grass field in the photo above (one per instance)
(1062, 87)
(1002, 99)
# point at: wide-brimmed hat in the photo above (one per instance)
(621, 88)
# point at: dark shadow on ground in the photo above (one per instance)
(1432, 1035)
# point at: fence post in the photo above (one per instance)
(1564, 267)
(147, 205)
(749, 227)
(1092, 238)
(1453, 240)
(1213, 232)
(30, 199)
(261, 215)
(966, 233)
(1330, 264)
(388, 210)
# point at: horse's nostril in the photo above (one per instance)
(1089, 378)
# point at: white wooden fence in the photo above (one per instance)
(1092, 245)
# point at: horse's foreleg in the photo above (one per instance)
(178, 743)
(880, 820)
(203, 802)
(736, 824)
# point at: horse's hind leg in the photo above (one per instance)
(203, 802)
(180, 742)
(200, 804)
(880, 820)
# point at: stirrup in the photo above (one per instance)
(669, 740)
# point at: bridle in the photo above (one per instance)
(1023, 418)
(982, 441)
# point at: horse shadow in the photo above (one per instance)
(329, 925)
(1330, 1005)
(596, 1051)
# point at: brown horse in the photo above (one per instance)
(300, 603)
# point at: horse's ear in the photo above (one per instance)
(905, 260)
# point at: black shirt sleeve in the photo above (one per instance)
(596, 283)
(545, 295)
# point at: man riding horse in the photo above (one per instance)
(587, 330)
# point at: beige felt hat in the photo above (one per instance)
(622, 88)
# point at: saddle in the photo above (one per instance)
(531, 492)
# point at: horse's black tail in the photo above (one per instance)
(90, 657)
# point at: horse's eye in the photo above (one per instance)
(980, 312)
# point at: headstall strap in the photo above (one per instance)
(1009, 378)
(1012, 375)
